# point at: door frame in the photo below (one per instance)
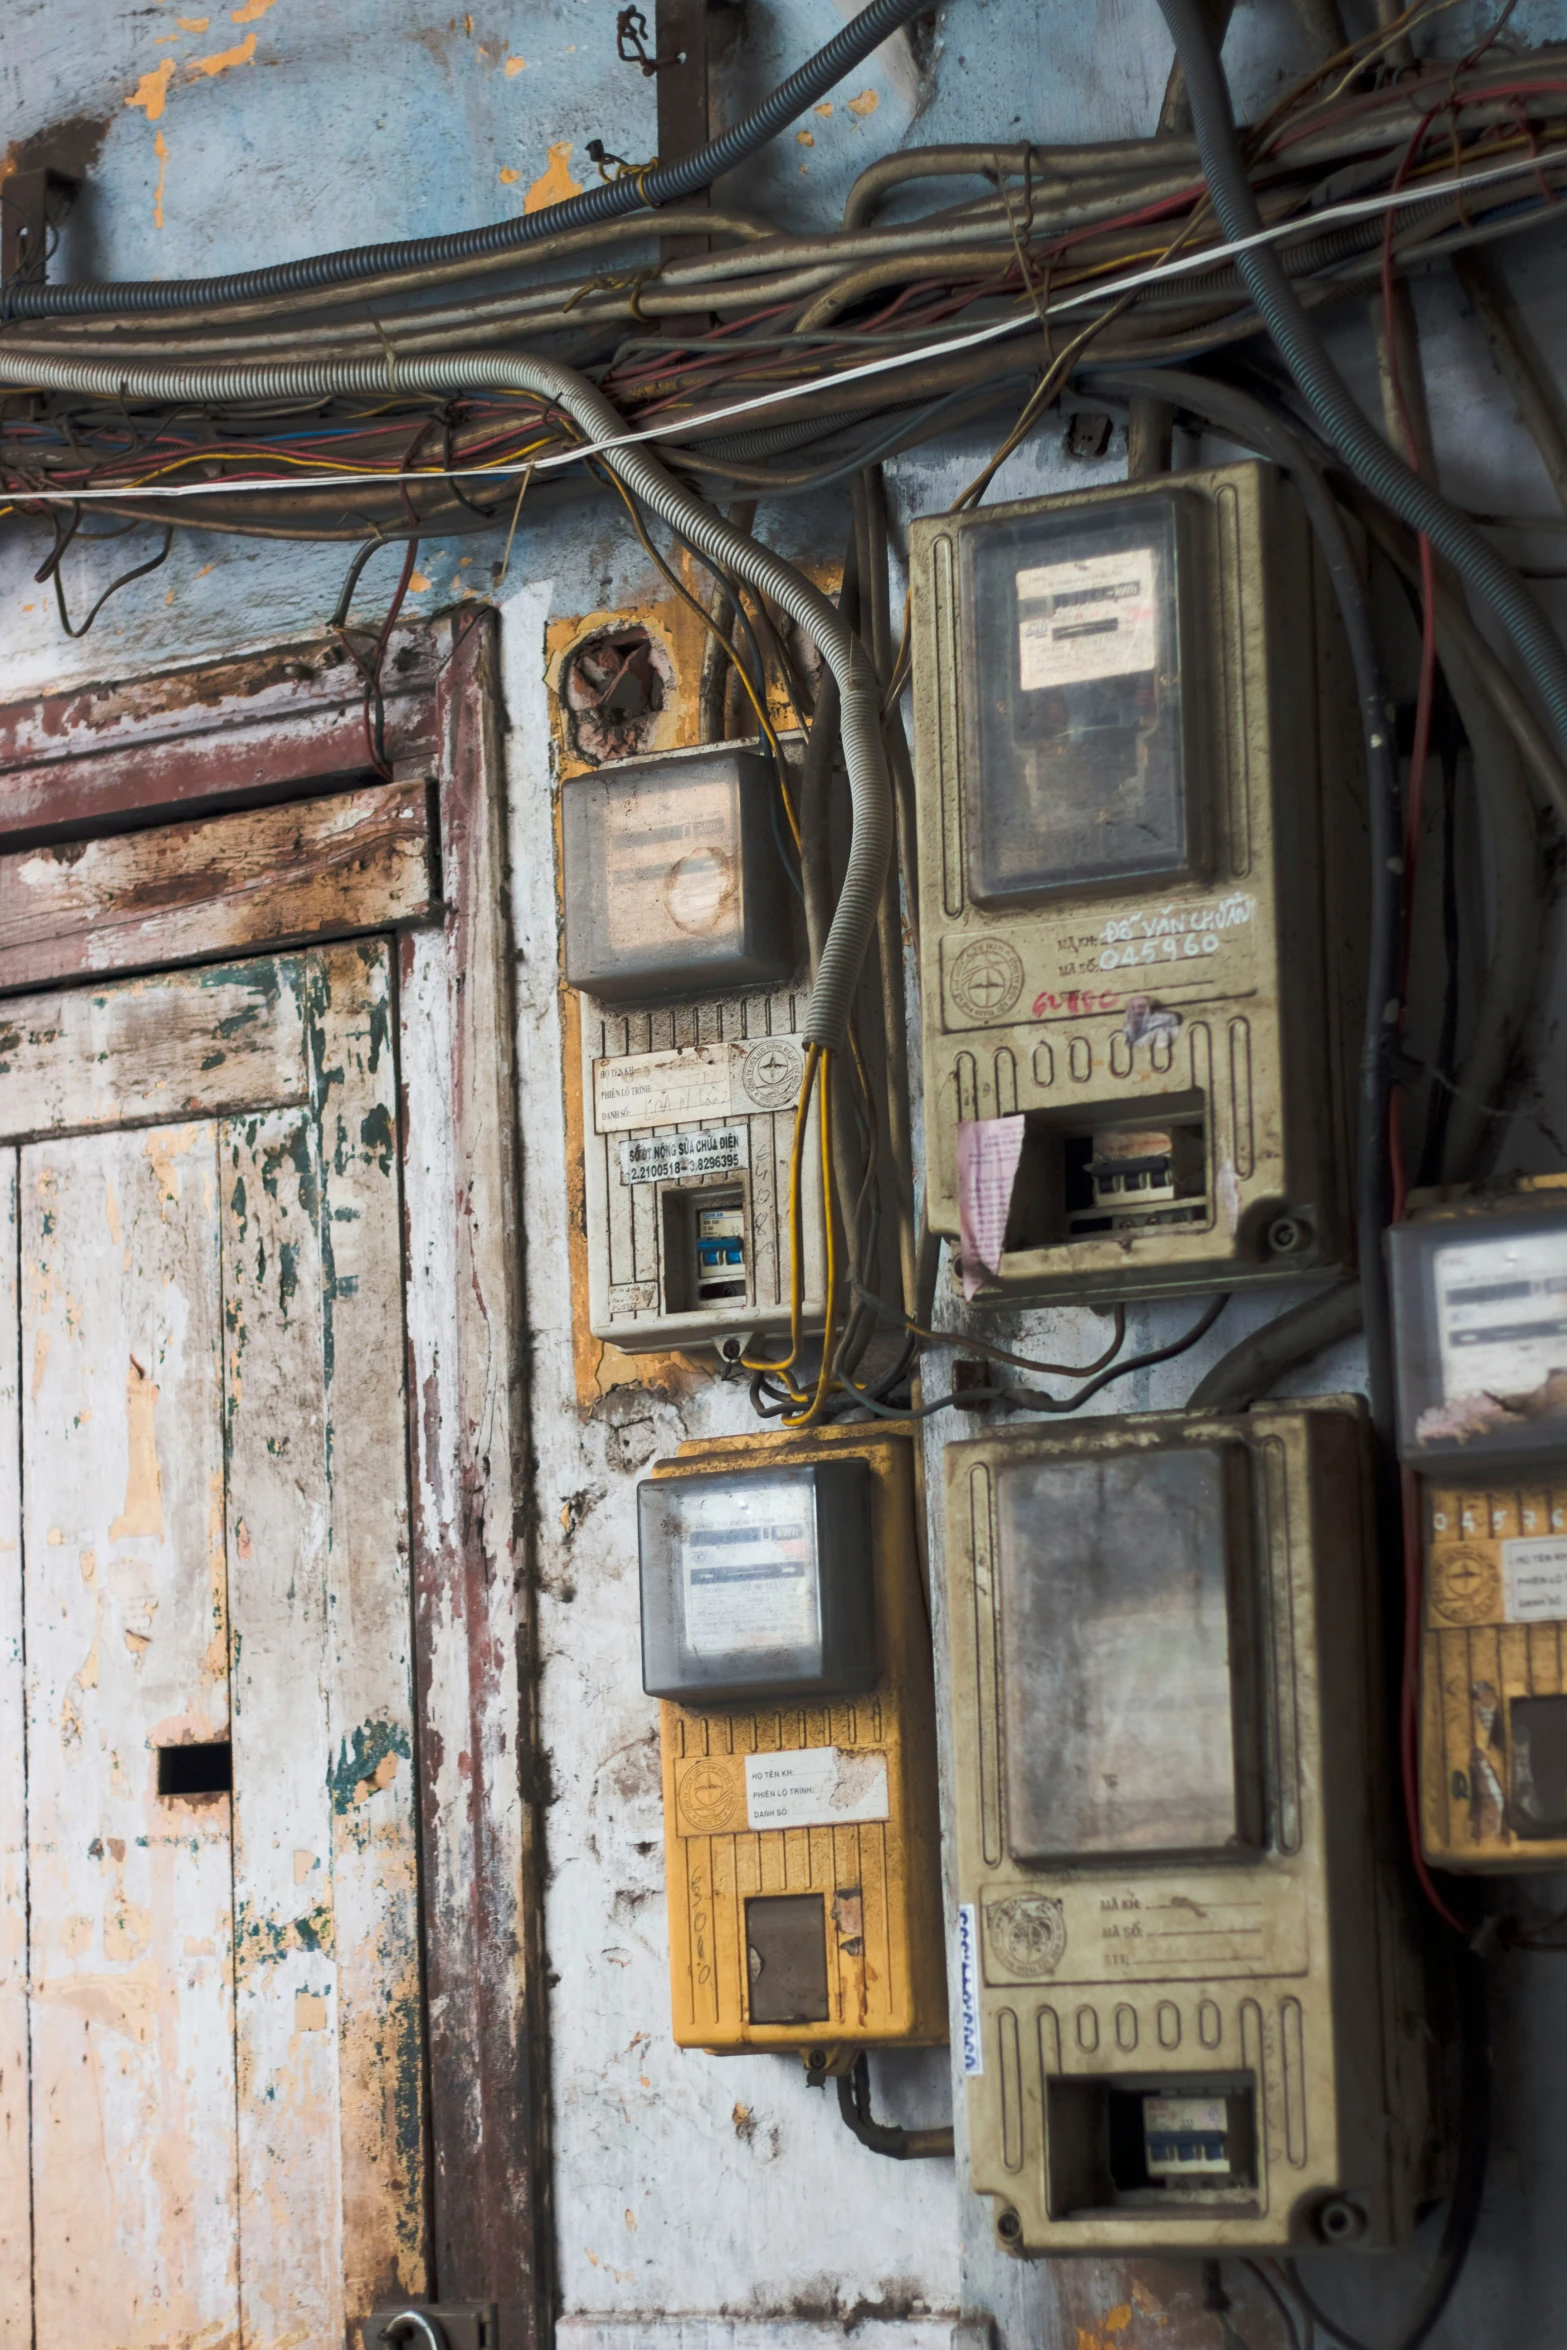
(289, 723)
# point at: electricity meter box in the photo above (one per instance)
(1139, 783)
(1189, 1989)
(1480, 1326)
(680, 938)
(785, 1630)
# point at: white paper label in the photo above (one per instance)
(1534, 1582)
(968, 1989)
(735, 1080)
(815, 1787)
(659, 1158)
(661, 1089)
(1095, 617)
(748, 1571)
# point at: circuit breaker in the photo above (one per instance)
(1189, 1993)
(1141, 843)
(785, 1631)
(1480, 1309)
(680, 938)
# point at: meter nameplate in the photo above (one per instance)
(1179, 949)
(637, 1090)
(1501, 1308)
(1092, 617)
(815, 1787)
(748, 1586)
(670, 863)
(665, 1158)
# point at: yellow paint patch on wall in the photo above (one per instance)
(127, 1933)
(304, 1862)
(77, 1936)
(554, 183)
(111, 1210)
(251, 11)
(151, 92)
(823, 110)
(222, 59)
(41, 1346)
(193, 24)
(515, 66)
(1119, 2318)
(805, 138)
(143, 1512)
(509, 175)
(419, 584)
(866, 103)
(309, 2012)
(382, 1776)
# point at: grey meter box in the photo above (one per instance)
(1078, 760)
(674, 884)
(1480, 1322)
(757, 1583)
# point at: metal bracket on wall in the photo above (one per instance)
(434, 2325)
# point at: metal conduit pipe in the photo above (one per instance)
(1049, 168)
(661, 184)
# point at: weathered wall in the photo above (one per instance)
(687, 2186)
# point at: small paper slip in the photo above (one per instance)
(988, 1154)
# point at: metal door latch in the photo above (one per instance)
(434, 2325)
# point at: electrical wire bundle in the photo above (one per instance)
(372, 390)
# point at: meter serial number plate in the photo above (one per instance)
(1097, 959)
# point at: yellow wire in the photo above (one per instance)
(824, 1378)
(813, 1058)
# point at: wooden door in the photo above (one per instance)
(211, 2043)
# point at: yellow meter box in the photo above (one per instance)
(1189, 1990)
(1480, 1328)
(785, 1629)
(1139, 788)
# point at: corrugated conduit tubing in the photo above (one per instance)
(870, 791)
(662, 183)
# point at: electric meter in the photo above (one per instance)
(1480, 1327)
(783, 1626)
(1138, 782)
(1189, 1990)
(680, 938)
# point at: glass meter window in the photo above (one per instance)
(757, 1582)
(1076, 699)
(673, 879)
(1480, 1305)
(1128, 1700)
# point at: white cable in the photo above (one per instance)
(1183, 264)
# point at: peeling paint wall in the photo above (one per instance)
(721, 2197)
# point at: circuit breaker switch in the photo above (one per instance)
(1186, 2137)
(1138, 1168)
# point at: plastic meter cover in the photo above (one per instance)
(757, 1582)
(1128, 1684)
(674, 885)
(1076, 717)
(1480, 1328)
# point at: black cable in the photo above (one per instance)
(1237, 412)
(1256, 1364)
(52, 570)
(1463, 2210)
(1343, 422)
(854, 2107)
(661, 183)
(1035, 1398)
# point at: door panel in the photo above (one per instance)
(125, 1623)
(226, 2039)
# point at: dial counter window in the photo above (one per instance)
(1077, 765)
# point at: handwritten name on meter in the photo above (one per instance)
(783, 1630)
(1139, 851)
(1190, 1994)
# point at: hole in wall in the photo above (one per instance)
(196, 1770)
(614, 686)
